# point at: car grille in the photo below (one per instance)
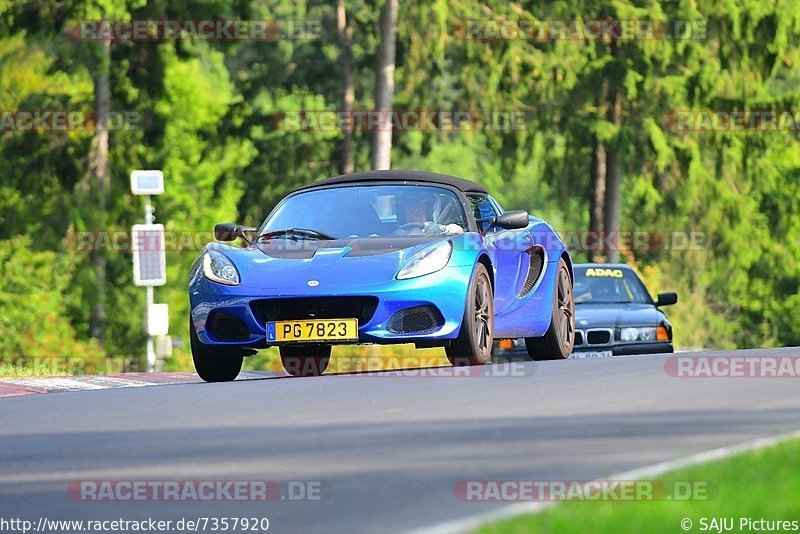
(295, 309)
(578, 337)
(598, 337)
(595, 336)
(415, 320)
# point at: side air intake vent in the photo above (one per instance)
(535, 267)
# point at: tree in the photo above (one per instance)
(384, 84)
(345, 34)
(98, 167)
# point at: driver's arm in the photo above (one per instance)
(450, 229)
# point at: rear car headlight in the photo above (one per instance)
(428, 261)
(219, 268)
(647, 333)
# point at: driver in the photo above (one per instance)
(417, 207)
(603, 289)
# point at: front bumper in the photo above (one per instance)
(445, 289)
(658, 347)
(620, 349)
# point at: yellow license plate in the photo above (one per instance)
(313, 330)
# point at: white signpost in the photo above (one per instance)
(149, 258)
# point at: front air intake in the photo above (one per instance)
(416, 320)
(297, 309)
(226, 327)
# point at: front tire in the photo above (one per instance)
(473, 346)
(305, 360)
(557, 342)
(211, 365)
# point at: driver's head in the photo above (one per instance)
(416, 206)
(603, 287)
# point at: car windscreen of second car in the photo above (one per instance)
(607, 285)
(371, 211)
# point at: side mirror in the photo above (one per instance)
(666, 299)
(512, 220)
(226, 232)
(230, 231)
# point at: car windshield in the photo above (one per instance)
(367, 211)
(609, 284)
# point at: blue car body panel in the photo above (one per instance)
(368, 266)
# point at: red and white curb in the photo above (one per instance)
(16, 387)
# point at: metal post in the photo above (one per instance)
(151, 351)
(146, 273)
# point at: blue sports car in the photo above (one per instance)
(381, 257)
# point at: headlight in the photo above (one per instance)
(217, 267)
(428, 261)
(647, 333)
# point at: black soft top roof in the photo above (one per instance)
(399, 176)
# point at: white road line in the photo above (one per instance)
(55, 383)
(113, 383)
(469, 524)
(78, 383)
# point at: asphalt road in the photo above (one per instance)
(389, 449)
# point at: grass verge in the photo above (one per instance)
(763, 484)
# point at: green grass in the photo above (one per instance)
(53, 366)
(761, 484)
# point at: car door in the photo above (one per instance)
(507, 250)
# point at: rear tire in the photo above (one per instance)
(557, 342)
(473, 346)
(305, 360)
(213, 365)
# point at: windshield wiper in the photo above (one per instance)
(296, 233)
